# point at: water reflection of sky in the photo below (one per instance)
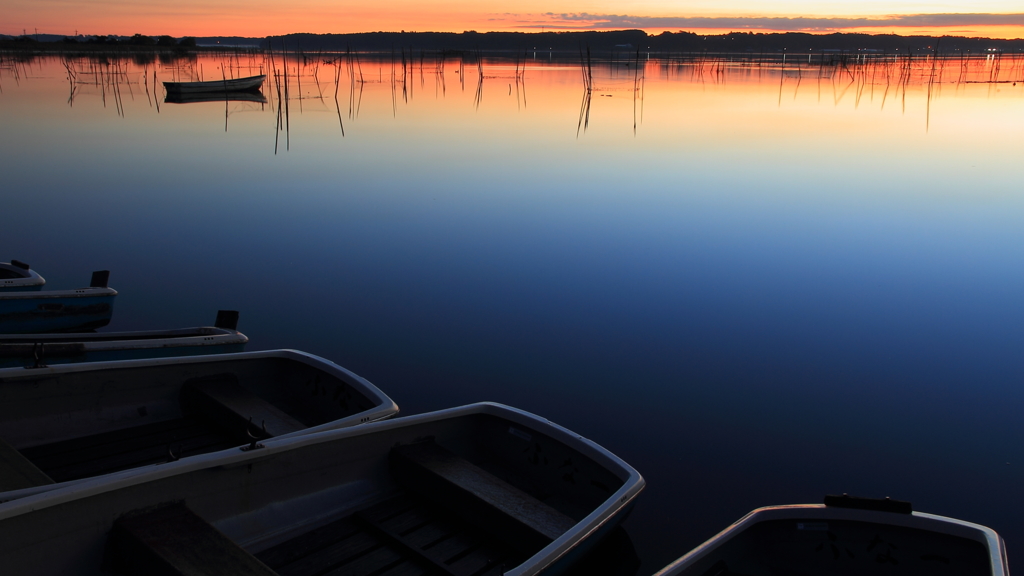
(774, 288)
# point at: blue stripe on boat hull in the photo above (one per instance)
(42, 315)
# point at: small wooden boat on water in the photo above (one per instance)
(37, 312)
(226, 85)
(17, 276)
(44, 349)
(65, 423)
(846, 536)
(482, 490)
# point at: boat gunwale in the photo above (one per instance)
(90, 292)
(383, 406)
(633, 482)
(103, 341)
(916, 520)
(30, 280)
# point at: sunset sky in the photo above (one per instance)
(995, 18)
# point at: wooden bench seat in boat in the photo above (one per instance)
(401, 536)
(220, 399)
(17, 472)
(172, 540)
(452, 519)
(477, 496)
(107, 452)
(217, 413)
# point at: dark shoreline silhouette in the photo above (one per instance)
(622, 40)
(611, 41)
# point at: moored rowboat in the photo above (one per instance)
(75, 421)
(482, 489)
(226, 85)
(46, 349)
(37, 312)
(846, 536)
(17, 276)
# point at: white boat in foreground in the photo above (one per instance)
(478, 490)
(70, 422)
(226, 85)
(846, 536)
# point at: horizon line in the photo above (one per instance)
(533, 30)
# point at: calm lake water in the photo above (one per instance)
(757, 282)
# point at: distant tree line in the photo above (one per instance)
(622, 40)
(136, 40)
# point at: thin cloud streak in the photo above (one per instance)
(586, 21)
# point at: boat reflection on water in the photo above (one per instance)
(226, 97)
(179, 98)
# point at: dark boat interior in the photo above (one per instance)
(14, 271)
(225, 408)
(458, 508)
(843, 548)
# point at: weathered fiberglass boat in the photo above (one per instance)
(846, 536)
(478, 490)
(75, 421)
(17, 276)
(44, 349)
(248, 83)
(33, 312)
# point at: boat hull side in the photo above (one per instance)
(695, 561)
(42, 315)
(577, 553)
(227, 85)
(290, 486)
(21, 287)
(127, 354)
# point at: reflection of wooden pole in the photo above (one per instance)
(273, 67)
(225, 77)
(588, 85)
(636, 87)
(277, 125)
(287, 116)
(337, 105)
(337, 78)
(298, 71)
